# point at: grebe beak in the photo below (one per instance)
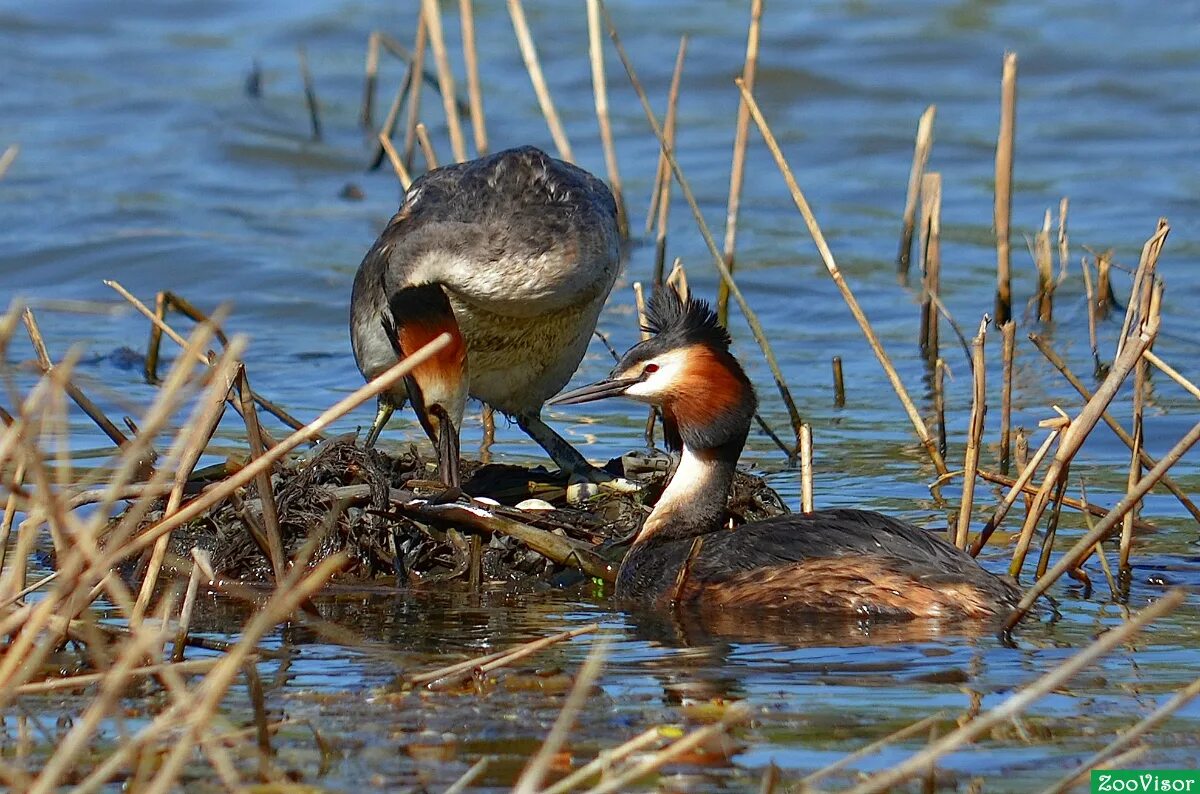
(609, 387)
(382, 415)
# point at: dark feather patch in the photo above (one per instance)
(682, 322)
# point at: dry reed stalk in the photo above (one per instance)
(1173, 374)
(664, 195)
(13, 581)
(1064, 247)
(1143, 279)
(431, 160)
(388, 128)
(831, 265)
(1016, 703)
(839, 384)
(737, 168)
(1083, 547)
(530, 781)
(1029, 491)
(8, 158)
(678, 279)
(806, 468)
(469, 777)
(600, 92)
(903, 733)
(186, 453)
(494, 661)
(1105, 297)
(685, 188)
(1090, 294)
(604, 761)
(437, 41)
(1135, 468)
(262, 483)
(974, 434)
(84, 680)
(466, 13)
(189, 604)
(370, 79)
(488, 419)
(534, 67)
(1008, 332)
(1057, 362)
(685, 571)
(1129, 736)
(1081, 425)
(939, 403)
(310, 93)
(1052, 525)
(1027, 472)
(1044, 259)
(931, 261)
(622, 780)
(397, 164)
(420, 45)
(921, 149)
(1002, 212)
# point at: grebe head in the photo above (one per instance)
(437, 388)
(686, 370)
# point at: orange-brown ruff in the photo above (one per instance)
(836, 561)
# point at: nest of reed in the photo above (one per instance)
(366, 502)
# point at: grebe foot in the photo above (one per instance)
(586, 480)
(382, 414)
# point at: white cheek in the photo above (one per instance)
(652, 387)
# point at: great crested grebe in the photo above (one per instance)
(514, 255)
(849, 561)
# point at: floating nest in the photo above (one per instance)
(395, 521)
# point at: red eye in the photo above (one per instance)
(650, 368)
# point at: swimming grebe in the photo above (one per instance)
(513, 254)
(850, 561)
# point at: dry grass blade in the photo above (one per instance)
(498, 659)
(831, 265)
(921, 149)
(604, 760)
(737, 168)
(1128, 737)
(534, 67)
(685, 188)
(1071, 560)
(872, 748)
(470, 776)
(437, 40)
(534, 773)
(1022, 699)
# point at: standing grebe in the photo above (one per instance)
(850, 561)
(513, 254)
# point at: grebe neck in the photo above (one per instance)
(693, 503)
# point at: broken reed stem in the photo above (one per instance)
(1135, 469)
(397, 164)
(909, 730)
(1008, 333)
(420, 44)
(8, 158)
(1083, 547)
(1105, 297)
(1143, 278)
(388, 128)
(939, 402)
(370, 79)
(534, 67)
(1057, 362)
(437, 41)
(1002, 211)
(737, 168)
(839, 385)
(1029, 491)
(1129, 736)
(431, 159)
(604, 761)
(831, 265)
(185, 611)
(466, 13)
(806, 468)
(535, 771)
(600, 92)
(931, 262)
(1173, 374)
(1074, 436)
(497, 659)
(921, 149)
(974, 434)
(1027, 472)
(664, 188)
(266, 492)
(1090, 293)
(310, 93)
(1044, 260)
(1052, 525)
(1016, 703)
(1064, 248)
(685, 188)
